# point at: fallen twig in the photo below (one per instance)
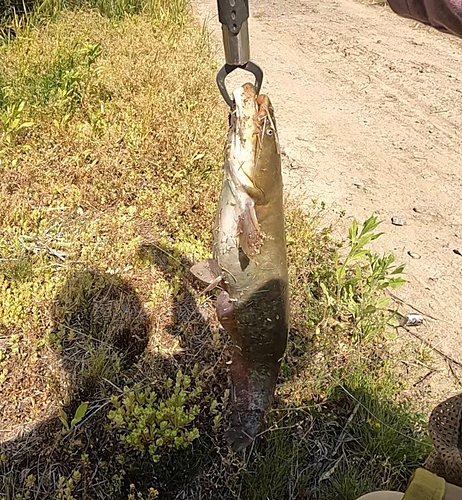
(402, 302)
(423, 378)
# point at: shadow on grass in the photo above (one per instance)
(101, 332)
(352, 442)
(100, 329)
(194, 326)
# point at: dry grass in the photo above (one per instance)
(110, 152)
(121, 160)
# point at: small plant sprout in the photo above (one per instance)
(78, 417)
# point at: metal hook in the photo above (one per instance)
(228, 68)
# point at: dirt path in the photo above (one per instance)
(369, 110)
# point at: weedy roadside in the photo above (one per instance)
(110, 155)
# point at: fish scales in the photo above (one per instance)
(250, 249)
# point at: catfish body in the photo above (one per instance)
(250, 250)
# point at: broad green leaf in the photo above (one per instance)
(353, 230)
(397, 282)
(370, 224)
(398, 269)
(370, 309)
(79, 414)
(64, 419)
(382, 302)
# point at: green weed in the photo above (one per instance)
(12, 123)
(155, 426)
(69, 427)
(66, 486)
(361, 280)
(134, 495)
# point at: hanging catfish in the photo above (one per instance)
(250, 261)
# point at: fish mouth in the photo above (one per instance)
(249, 115)
(244, 114)
(248, 122)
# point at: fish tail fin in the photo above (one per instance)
(253, 388)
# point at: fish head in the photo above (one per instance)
(254, 127)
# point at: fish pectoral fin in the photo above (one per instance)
(207, 271)
(218, 281)
(248, 232)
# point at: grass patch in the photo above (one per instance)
(112, 365)
(352, 442)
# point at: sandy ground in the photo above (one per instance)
(369, 116)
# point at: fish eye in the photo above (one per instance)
(269, 131)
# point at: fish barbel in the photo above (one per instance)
(250, 261)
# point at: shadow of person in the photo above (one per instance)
(100, 329)
(263, 342)
(105, 340)
(100, 339)
(193, 324)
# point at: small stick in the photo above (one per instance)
(421, 379)
(402, 302)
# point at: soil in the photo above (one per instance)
(369, 106)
